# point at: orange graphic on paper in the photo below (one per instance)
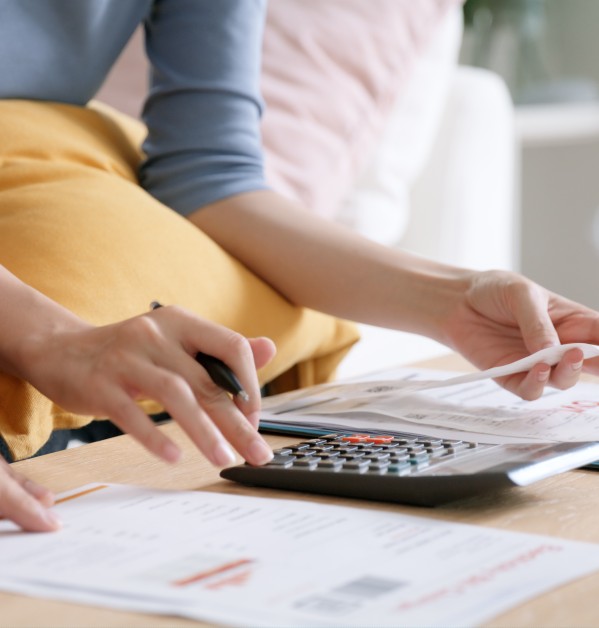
(236, 580)
(203, 575)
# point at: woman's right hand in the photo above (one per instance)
(25, 502)
(102, 371)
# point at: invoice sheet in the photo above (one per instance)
(470, 406)
(248, 561)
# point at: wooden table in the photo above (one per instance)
(566, 506)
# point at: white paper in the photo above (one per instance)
(253, 561)
(470, 406)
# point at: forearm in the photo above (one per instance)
(321, 265)
(27, 317)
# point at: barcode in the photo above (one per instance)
(368, 587)
(349, 596)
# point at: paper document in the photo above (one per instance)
(470, 406)
(249, 561)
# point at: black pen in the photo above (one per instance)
(219, 372)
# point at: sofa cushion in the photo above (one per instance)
(333, 70)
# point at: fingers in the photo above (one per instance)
(23, 502)
(239, 430)
(236, 351)
(204, 411)
(243, 356)
(563, 375)
(211, 418)
(529, 386)
(130, 418)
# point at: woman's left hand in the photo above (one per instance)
(503, 317)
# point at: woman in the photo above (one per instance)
(72, 170)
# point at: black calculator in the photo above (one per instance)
(410, 468)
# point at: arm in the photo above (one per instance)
(319, 264)
(491, 318)
(203, 152)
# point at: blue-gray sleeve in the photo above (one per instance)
(204, 106)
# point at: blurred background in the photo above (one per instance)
(547, 52)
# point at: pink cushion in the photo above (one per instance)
(333, 69)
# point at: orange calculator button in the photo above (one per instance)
(356, 438)
(380, 440)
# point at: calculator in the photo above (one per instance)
(410, 468)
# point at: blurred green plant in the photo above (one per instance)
(470, 8)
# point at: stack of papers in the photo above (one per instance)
(437, 403)
(250, 561)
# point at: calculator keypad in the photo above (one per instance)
(367, 453)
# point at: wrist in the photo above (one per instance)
(437, 297)
(31, 324)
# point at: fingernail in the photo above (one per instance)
(577, 365)
(170, 452)
(50, 518)
(259, 452)
(223, 455)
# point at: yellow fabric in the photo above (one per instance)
(75, 225)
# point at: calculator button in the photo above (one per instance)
(380, 464)
(436, 451)
(308, 452)
(452, 450)
(307, 462)
(377, 456)
(430, 442)
(330, 465)
(326, 455)
(403, 468)
(300, 446)
(282, 452)
(380, 440)
(399, 458)
(281, 461)
(356, 438)
(356, 455)
(346, 450)
(356, 464)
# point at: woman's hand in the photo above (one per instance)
(25, 502)
(101, 371)
(503, 317)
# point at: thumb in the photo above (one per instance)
(532, 315)
(264, 349)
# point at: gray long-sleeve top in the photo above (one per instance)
(203, 107)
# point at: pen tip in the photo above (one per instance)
(244, 395)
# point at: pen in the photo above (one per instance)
(218, 371)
